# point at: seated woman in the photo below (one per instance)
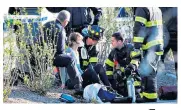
(75, 41)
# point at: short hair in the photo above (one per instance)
(63, 15)
(73, 38)
(118, 36)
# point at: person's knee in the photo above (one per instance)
(70, 60)
(99, 65)
(99, 68)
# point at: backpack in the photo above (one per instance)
(167, 93)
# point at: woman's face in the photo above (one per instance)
(79, 41)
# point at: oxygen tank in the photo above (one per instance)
(131, 88)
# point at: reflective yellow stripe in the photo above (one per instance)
(85, 63)
(154, 23)
(109, 62)
(109, 72)
(159, 53)
(134, 62)
(138, 39)
(93, 59)
(66, 47)
(141, 95)
(141, 19)
(134, 54)
(122, 69)
(137, 83)
(150, 95)
(152, 43)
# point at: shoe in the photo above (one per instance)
(144, 100)
(78, 89)
(122, 100)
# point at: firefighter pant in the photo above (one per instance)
(148, 73)
(90, 75)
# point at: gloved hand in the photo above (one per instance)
(118, 74)
(130, 69)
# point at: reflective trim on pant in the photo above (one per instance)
(150, 95)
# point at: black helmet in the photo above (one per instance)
(94, 32)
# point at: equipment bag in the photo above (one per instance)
(66, 98)
(167, 92)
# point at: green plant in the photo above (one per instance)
(9, 61)
(34, 56)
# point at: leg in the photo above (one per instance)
(68, 62)
(89, 77)
(100, 70)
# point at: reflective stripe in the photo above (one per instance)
(141, 19)
(66, 47)
(141, 95)
(109, 62)
(148, 23)
(152, 43)
(154, 23)
(134, 53)
(159, 53)
(93, 59)
(109, 72)
(137, 83)
(138, 39)
(122, 69)
(85, 63)
(134, 62)
(150, 95)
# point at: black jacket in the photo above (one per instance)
(81, 16)
(121, 56)
(55, 34)
(92, 54)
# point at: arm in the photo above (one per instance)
(93, 55)
(110, 64)
(61, 41)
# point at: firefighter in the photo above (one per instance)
(88, 55)
(119, 67)
(92, 35)
(148, 48)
